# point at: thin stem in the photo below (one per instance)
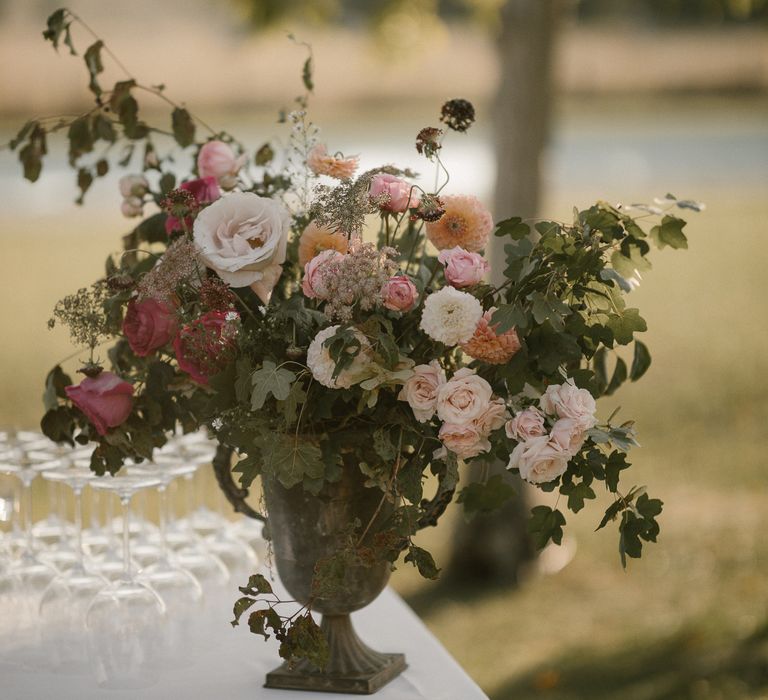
(162, 519)
(125, 501)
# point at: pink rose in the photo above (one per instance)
(568, 401)
(131, 207)
(568, 434)
(420, 390)
(313, 285)
(539, 460)
(462, 268)
(217, 159)
(205, 346)
(205, 190)
(526, 424)
(399, 293)
(148, 325)
(133, 186)
(106, 400)
(463, 439)
(464, 398)
(393, 194)
(492, 418)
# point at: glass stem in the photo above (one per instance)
(27, 495)
(126, 503)
(77, 493)
(162, 519)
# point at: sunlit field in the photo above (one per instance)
(688, 621)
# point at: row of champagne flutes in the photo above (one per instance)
(120, 598)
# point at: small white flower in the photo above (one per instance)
(217, 424)
(231, 316)
(322, 365)
(450, 316)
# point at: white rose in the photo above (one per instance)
(322, 365)
(463, 398)
(539, 460)
(243, 237)
(420, 390)
(526, 424)
(463, 439)
(492, 418)
(568, 401)
(568, 434)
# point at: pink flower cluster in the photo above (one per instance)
(542, 454)
(464, 404)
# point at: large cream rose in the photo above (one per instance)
(322, 365)
(539, 460)
(243, 237)
(420, 391)
(464, 398)
(568, 401)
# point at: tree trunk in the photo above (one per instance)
(492, 549)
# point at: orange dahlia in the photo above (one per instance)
(321, 163)
(466, 223)
(315, 239)
(490, 347)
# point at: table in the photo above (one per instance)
(234, 663)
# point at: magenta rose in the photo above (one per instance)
(205, 190)
(399, 293)
(205, 346)
(463, 268)
(106, 400)
(148, 325)
(393, 194)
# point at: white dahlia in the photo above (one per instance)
(322, 365)
(450, 316)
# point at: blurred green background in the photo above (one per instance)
(648, 97)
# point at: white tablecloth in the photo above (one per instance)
(235, 662)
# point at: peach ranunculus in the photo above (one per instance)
(106, 400)
(568, 401)
(526, 424)
(399, 293)
(463, 268)
(312, 283)
(568, 433)
(321, 163)
(243, 238)
(464, 439)
(539, 460)
(464, 398)
(420, 390)
(465, 223)
(492, 418)
(315, 239)
(489, 346)
(392, 193)
(217, 159)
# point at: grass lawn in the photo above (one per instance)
(689, 620)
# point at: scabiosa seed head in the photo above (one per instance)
(430, 208)
(215, 295)
(179, 203)
(458, 114)
(428, 141)
(91, 369)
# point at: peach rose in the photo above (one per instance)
(526, 424)
(539, 460)
(312, 284)
(568, 401)
(393, 194)
(463, 268)
(464, 398)
(420, 390)
(568, 434)
(492, 418)
(463, 439)
(399, 293)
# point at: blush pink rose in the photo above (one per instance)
(205, 190)
(217, 159)
(205, 346)
(148, 325)
(399, 293)
(568, 401)
(463, 268)
(463, 439)
(569, 434)
(464, 398)
(526, 424)
(492, 418)
(393, 193)
(312, 284)
(420, 390)
(539, 460)
(106, 400)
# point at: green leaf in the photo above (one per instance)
(289, 460)
(241, 605)
(514, 227)
(623, 326)
(640, 362)
(94, 65)
(260, 620)
(509, 316)
(249, 468)
(102, 167)
(545, 525)
(257, 584)
(610, 514)
(290, 407)
(520, 249)
(618, 378)
(58, 424)
(270, 379)
(183, 127)
(577, 494)
(479, 497)
(306, 74)
(84, 182)
(616, 463)
(670, 233)
(549, 308)
(423, 561)
(31, 156)
(103, 129)
(58, 24)
(55, 383)
(383, 445)
(167, 182)
(264, 155)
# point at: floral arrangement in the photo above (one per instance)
(288, 303)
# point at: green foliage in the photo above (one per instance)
(546, 524)
(270, 379)
(485, 497)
